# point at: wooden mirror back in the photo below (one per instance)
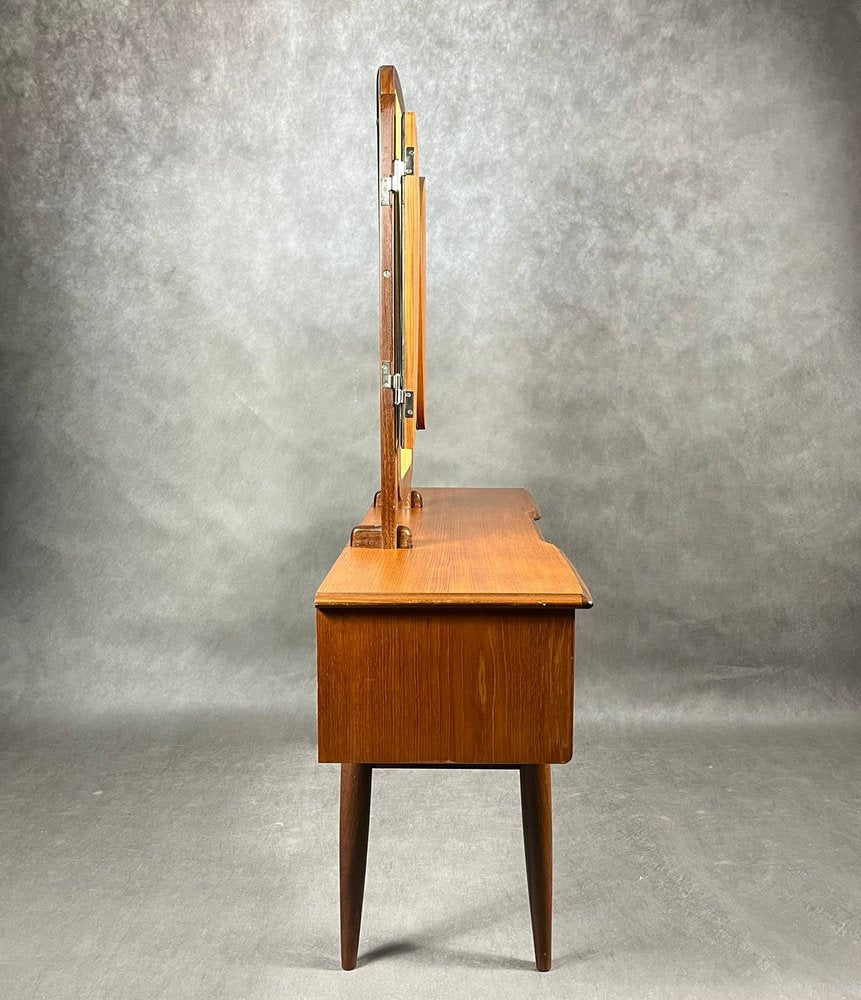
(402, 220)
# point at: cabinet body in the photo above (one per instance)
(445, 685)
(457, 650)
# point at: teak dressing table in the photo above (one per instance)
(445, 629)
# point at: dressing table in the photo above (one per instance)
(445, 628)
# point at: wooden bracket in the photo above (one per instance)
(416, 502)
(370, 536)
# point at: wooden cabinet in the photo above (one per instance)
(457, 650)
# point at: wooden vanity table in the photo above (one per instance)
(445, 629)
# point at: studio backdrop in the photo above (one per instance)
(643, 305)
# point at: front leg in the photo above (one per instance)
(536, 801)
(355, 814)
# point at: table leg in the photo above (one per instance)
(536, 804)
(355, 813)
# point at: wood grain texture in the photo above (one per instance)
(388, 115)
(412, 272)
(445, 686)
(388, 82)
(469, 547)
(370, 536)
(355, 816)
(421, 409)
(536, 802)
(403, 453)
(396, 468)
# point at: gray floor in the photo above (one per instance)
(197, 857)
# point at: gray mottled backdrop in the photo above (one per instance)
(643, 302)
(644, 305)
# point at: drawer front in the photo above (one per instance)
(445, 685)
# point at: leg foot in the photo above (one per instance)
(355, 813)
(536, 804)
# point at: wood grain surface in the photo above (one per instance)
(355, 814)
(469, 547)
(463, 686)
(412, 273)
(388, 111)
(536, 803)
(422, 351)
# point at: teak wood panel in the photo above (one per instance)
(388, 112)
(446, 686)
(422, 356)
(388, 82)
(412, 268)
(470, 546)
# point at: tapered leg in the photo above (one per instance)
(536, 803)
(355, 813)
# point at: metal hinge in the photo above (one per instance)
(396, 384)
(393, 183)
